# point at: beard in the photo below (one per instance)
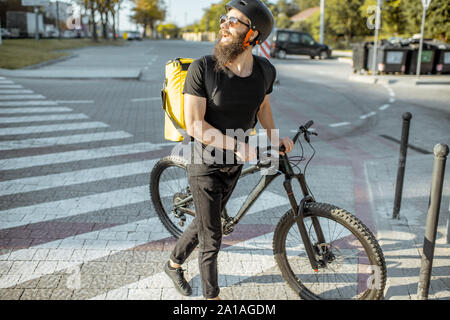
(225, 53)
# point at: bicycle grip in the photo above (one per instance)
(309, 124)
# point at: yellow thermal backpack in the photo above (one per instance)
(173, 98)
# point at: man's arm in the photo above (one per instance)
(199, 129)
(265, 117)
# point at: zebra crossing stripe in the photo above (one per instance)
(71, 207)
(75, 177)
(27, 103)
(62, 140)
(52, 128)
(10, 86)
(15, 91)
(87, 242)
(6, 82)
(72, 156)
(34, 110)
(45, 118)
(22, 97)
(249, 263)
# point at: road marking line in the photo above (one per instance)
(22, 97)
(75, 177)
(27, 103)
(75, 101)
(62, 117)
(239, 266)
(16, 91)
(62, 140)
(78, 155)
(52, 128)
(385, 106)
(145, 99)
(391, 100)
(11, 86)
(371, 114)
(92, 249)
(340, 124)
(72, 207)
(34, 110)
(6, 82)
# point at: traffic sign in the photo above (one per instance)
(35, 3)
(426, 4)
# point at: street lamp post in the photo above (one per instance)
(375, 42)
(322, 21)
(425, 5)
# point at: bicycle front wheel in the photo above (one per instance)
(352, 265)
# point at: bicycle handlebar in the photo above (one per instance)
(301, 130)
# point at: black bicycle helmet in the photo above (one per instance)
(261, 18)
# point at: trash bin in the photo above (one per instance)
(442, 58)
(427, 64)
(359, 53)
(391, 58)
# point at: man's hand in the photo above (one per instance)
(288, 144)
(245, 152)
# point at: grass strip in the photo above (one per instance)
(19, 53)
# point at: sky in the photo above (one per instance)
(180, 12)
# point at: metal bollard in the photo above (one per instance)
(401, 164)
(448, 226)
(440, 157)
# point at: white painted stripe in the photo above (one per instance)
(75, 177)
(52, 128)
(10, 86)
(34, 110)
(385, 106)
(146, 99)
(92, 249)
(15, 91)
(79, 155)
(75, 101)
(6, 82)
(391, 100)
(71, 207)
(27, 103)
(2, 78)
(340, 124)
(371, 114)
(22, 97)
(95, 245)
(62, 140)
(256, 260)
(78, 116)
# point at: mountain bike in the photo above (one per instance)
(322, 251)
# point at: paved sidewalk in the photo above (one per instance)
(402, 240)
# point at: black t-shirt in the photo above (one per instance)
(232, 101)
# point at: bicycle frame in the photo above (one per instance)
(298, 208)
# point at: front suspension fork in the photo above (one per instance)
(298, 210)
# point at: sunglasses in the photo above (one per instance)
(232, 21)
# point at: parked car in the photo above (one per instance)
(133, 35)
(285, 41)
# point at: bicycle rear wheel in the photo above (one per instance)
(168, 186)
(353, 265)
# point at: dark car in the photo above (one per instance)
(286, 41)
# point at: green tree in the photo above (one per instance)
(169, 30)
(147, 13)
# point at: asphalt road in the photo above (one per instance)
(97, 182)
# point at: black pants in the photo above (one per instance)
(210, 193)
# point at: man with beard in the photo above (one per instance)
(227, 91)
